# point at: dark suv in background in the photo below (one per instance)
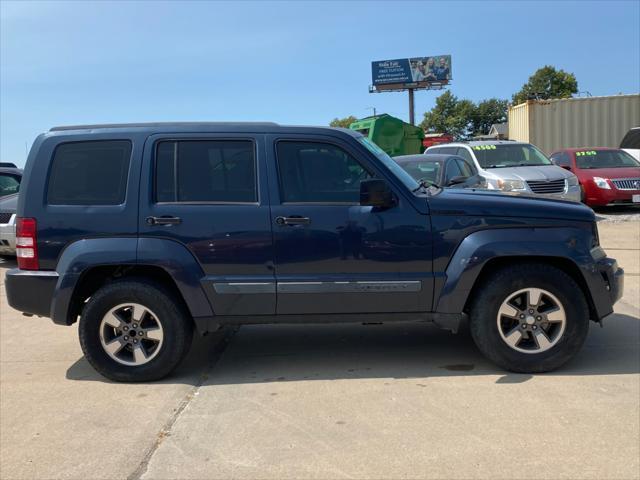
(146, 233)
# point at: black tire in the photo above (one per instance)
(488, 299)
(176, 324)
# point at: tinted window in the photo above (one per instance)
(466, 168)
(447, 150)
(318, 172)
(453, 170)
(464, 153)
(631, 139)
(89, 173)
(561, 159)
(206, 171)
(9, 184)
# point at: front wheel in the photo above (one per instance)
(529, 318)
(134, 331)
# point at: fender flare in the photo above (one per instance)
(171, 256)
(473, 253)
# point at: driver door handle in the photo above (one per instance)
(163, 220)
(293, 220)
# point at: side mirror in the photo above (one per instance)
(376, 193)
(457, 180)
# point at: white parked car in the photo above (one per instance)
(515, 167)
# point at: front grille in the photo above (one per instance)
(627, 183)
(5, 217)
(546, 186)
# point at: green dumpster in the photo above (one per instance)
(391, 134)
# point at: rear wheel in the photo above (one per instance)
(529, 318)
(134, 331)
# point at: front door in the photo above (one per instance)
(333, 256)
(209, 193)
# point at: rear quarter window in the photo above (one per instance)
(89, 173)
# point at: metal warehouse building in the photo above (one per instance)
(574, 122)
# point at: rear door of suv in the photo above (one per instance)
(209, 193)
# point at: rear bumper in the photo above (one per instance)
(31, 291)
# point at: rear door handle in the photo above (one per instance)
(293, 220)
(166, 220)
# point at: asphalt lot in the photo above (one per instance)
(345, 401)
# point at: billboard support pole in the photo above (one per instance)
(412, 119)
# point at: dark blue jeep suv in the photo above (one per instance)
(146, 233)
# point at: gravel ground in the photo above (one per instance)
(618, 214)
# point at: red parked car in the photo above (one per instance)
(607, 176)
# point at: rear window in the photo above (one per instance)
(89, 173)
(9, 184)
(206, 171)
(631, 139)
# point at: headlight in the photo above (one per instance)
(572, 181)
(509, 185)
(601, 183)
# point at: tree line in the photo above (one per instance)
(463, 118)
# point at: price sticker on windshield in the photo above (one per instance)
(586, 153)
(484, 147)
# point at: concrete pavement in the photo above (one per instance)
(341, 401)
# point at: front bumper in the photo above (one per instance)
(31, 291)
(606, 284)
(613, 196)
(8, 237)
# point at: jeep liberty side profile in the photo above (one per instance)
(146, 233)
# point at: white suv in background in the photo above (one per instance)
(515, 167)
(631, 143)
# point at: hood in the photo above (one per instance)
(624, 172)
(489, 203)
(9, 203)
(542, 172)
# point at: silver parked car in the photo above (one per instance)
(515, 167)
(10, 178)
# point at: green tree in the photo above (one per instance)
(449, 115)
(547, 83)
(343, 122)
(488, 112)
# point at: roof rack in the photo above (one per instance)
(158, 124)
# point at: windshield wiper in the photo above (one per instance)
(424, 183)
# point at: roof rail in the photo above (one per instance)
(158, 124)
(8, 165)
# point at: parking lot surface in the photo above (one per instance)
(337, 401)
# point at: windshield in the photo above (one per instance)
(518, 155)
(9, 184)
(605, 159)
(396, 169)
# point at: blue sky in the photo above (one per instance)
(289, 62)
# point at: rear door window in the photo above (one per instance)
(89, 173)
(206, 171)
(464, 153)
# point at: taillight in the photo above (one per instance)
(26, 247)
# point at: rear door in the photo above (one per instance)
(209, 193)
(332, 255)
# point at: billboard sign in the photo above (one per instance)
(421, 70)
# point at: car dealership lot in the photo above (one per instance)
(361, 401)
